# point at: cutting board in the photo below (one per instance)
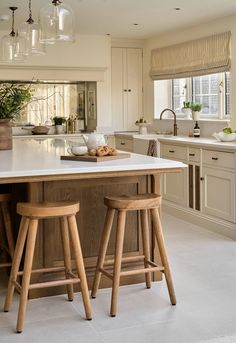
(87, 158)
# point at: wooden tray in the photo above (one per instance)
(87, 158)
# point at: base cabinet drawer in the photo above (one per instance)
(218, 193)
(174, 152)
(218, 159)
(124, 144)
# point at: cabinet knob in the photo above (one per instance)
(125, 90)
(202, 178)
(215, 158)
(129, 90)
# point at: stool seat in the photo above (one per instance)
(31, 214)
(47, 209)
(144, 204)
(133, 202)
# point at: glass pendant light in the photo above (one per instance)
(56, 23)
(30, 30)
(13, 46)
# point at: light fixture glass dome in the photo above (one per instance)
(13, 45)
(30, 31)
(56, 23)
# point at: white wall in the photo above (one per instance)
(174, 37)
(88, 52)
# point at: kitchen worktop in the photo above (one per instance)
(202, 141)
(41, 157)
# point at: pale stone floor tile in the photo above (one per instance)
(204, 271)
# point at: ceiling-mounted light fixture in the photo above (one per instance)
(56, 23)
(13, 46)
(30, 30)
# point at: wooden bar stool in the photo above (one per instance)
(122, 204)
(31, 213)
(4, 208)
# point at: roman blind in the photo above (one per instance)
(198, 57)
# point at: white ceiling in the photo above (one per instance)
(117, 17)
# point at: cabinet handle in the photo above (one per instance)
(202, 178)
(129, 90)
(122, 143)
(171, 151)
(215, 158)
(191, 154)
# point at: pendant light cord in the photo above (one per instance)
(13, 21)
(30, 20)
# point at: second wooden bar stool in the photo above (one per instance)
(122, 204)
(31, 213)
(7, 230)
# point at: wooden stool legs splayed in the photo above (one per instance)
(4, 208)
(31, 213)
(122, 204)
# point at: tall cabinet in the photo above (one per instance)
(127, 87)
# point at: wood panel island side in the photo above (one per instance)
(34, 172)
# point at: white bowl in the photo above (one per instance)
(78, 150)
(225, 137)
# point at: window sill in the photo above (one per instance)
(203, 120)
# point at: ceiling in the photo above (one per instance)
(117, 17)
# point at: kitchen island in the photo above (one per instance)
(34, 171)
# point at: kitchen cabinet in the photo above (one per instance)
(126, 87)
(207, 187)
(218, 184)
(174, 187)
(125, 144)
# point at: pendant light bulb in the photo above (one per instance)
(56, 23)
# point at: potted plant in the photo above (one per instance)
(13, 99)
(58, 121)
(196, 109)
(186, 109)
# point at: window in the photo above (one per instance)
(212, 91)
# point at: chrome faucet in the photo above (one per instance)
(175, 124)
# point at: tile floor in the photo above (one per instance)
(204, 271)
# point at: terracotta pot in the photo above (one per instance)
(5, 134)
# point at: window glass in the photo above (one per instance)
(227, 93)
(205, 90)
(178, 94)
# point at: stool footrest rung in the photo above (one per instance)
(17, 285)
(5, 264)
(103, 271)
(125, 259)
(45, 270)
(141, 271)
(54, 283)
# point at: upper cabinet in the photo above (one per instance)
(127, 86)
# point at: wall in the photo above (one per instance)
(88, 52)
(174, 37)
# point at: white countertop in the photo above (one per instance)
(40, 157)
(202, 141)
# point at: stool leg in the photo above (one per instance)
(161, 245)
(102, 250)
(146, 244)
(16, 261)
(80, 265)
(120, 231)
(67, 255)
(29, 254)
(8, 227)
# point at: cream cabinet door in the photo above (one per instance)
(174, 187)
(218, 193)
(126, 87)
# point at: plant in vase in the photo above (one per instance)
(186, 109)
(58, 122)
(13, 99)
(196, 109)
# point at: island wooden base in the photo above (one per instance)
(90, 221)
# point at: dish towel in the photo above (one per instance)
(152, 148)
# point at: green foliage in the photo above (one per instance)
(228, 130)
(59, 120)
(196, 107)
(187, 104)
(13, 98)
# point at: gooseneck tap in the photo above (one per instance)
(175, 124)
